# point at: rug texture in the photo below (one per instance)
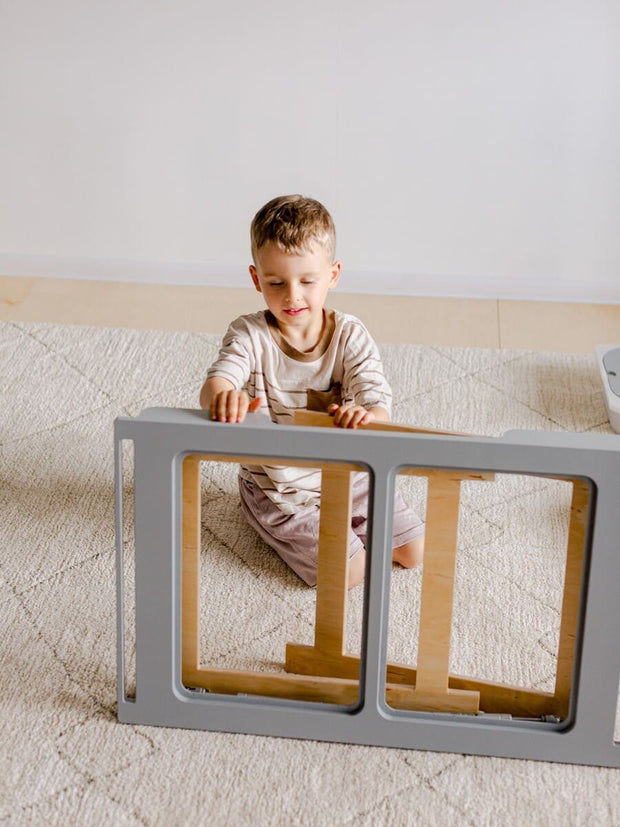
(65, 760)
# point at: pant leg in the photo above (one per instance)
(407, 525)
(294, 537)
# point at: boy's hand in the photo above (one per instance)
(232, 406)
(350, 416)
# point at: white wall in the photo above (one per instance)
(464, 148)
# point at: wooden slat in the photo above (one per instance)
(504, 699)
(190, 613)
(323, 420)
(442, 514)
(331, 586)
(452, 700)
(476, 476)
(318, 689)
(494, 697)
(572, 591)
(316, 419)
(295, 687)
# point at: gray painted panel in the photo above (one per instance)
(163, 436)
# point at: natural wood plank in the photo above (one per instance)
(333, 560)
(452, 700)
(294, 687)
(320, 689)
(442, 514)
(190, 610)
(307, 660)
(505, 699)
(573, 580)
(317, 419)
(495, 698)
(476, 476)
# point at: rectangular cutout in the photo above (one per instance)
(126, 565)
(406, 586)
(499, 554)
(290, 653)
(617, 721)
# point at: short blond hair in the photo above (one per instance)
(293, 223)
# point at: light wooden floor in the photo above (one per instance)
(570, 328)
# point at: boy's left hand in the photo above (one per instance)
(350, 416)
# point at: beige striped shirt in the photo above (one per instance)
(344, 367)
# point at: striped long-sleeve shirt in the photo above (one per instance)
(344, 367)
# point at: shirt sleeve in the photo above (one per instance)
(363, 377)
(235, 359)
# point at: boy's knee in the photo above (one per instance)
(410, 554)
(357, 566)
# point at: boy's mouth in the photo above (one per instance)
(294, 312)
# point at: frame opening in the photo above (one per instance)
(495, 545)
(288, 653)
(126, 566)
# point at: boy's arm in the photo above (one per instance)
(379, 414)
(363, 376)
(230, 371)
(211, 388)
(350, 416)
(224, 402)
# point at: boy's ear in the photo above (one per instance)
(254, 275)
(336, 267)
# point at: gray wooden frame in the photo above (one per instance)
(163, 437)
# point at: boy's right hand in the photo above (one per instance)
(232, 406)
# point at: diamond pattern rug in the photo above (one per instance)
(63, 757)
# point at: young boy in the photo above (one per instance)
(299, 354)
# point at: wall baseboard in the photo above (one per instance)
(545, 288)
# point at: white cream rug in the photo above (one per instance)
(64, 759)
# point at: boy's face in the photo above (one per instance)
(295, 286)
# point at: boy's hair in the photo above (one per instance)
(293, 223)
